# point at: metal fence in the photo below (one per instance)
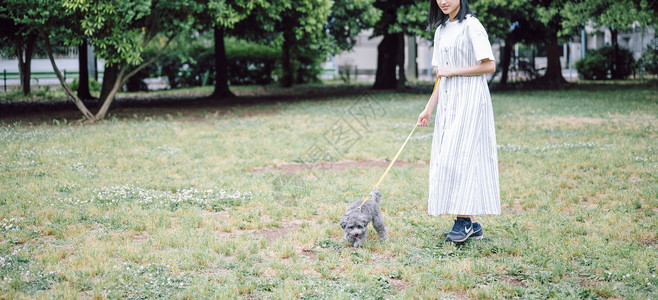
(9, 76)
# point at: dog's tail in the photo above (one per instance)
(376, 195)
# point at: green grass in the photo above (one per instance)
(152, 207)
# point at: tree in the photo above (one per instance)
(83, 82)
(512, 21)
(301, 24)
(550, 13)
(305, 30)
(221, 16)
(615, 15)
(19, 27)
(398, 18)
(119, 31)
(347, 19)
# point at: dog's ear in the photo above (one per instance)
(343, 223)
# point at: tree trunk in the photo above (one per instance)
(386, 63)
(412, 65)
(615, 54)
(81, 106)
(25, 62)
(400, 62)
(119, 80)
(221, 69)
(553, 76)
(109, 77)
(83, 79)
(505, 61)
(287, 78)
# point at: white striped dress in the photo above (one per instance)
(463, 177)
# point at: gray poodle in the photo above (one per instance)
(355, 221)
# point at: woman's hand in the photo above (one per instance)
(485, 66)
(423, 119)
(445, 72)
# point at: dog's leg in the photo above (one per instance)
(378, 223)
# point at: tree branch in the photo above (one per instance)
(81, 106)
(144, 65)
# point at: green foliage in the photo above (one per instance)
(594, 66)
(121, 29)
(236, 49)
(597, 64)
(498, 15)
(94, 86)
(347, 19)
(411, 19)
(649, 60)
(228, 13)
(191, 62)
(249, 62)
(618, 14)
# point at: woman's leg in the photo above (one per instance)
(469, 217)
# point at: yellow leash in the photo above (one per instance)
(436, 83)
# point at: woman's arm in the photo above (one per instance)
(485, 67)
(426, 114)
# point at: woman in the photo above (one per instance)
(464, 161)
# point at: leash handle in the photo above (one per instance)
(436, 83)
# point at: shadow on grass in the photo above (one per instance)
(163, 104)
(196, 104)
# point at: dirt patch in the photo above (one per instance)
(218, 214)
(512, 280)
(516, 206)
(270, 234)
(459, 295)
(293, 168)
(399, 284)
(649, 242)
(513, 207)
(310, 254)
(273, 234)
(140, 238)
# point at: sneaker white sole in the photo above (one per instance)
(461, 240)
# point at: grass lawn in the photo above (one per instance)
(246, 201)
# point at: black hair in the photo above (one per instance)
(437, 17)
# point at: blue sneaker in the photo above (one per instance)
(461, 231)
(478, 234)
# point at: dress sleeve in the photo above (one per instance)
(435, 51)
(480, 40)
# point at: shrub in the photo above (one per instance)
(649, 60)
(94, 86)
(250, 63)
(593, 66)
(190, 61)
(136, 82)
(599, 63)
